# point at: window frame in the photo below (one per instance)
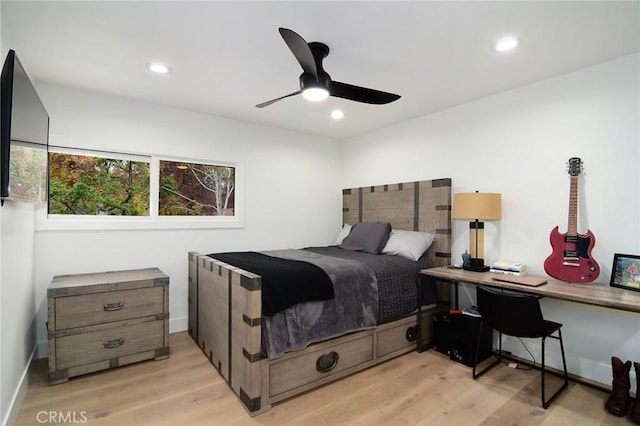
(57, 222)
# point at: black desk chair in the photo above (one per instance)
(517, 315)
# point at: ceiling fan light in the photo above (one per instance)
(315, 94)
(506, 44)
(158, 68)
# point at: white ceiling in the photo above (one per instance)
(228, 56)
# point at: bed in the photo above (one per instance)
(226, 313)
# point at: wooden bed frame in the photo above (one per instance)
(225, 305)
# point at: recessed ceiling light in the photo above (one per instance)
(315, 94)
(506, 44)
(337, 114)
(159, 68)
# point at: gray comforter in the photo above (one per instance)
(354, 307)
(369, 290)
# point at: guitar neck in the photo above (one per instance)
(572, 228)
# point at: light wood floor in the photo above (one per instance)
(418, 388)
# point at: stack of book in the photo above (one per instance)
(509, 268)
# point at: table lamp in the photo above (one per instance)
(477, 207)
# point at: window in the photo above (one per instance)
(82, 184)
(28, 171)
(191, 189)
(91, 190)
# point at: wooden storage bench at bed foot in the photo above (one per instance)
(104, 320)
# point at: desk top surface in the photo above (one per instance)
(593, 293)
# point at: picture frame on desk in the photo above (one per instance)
(625, 272)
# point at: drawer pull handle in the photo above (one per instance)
(327, 362)
(412, 334)
(113, 343)
(113, 306)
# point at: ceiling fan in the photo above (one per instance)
(316, 84)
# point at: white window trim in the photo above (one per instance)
(102, 154)
(46, 222)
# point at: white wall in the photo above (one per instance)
(517, 143)
(292, 190)
(17, 289)
(18, 297)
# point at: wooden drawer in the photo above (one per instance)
(302, 370)
(98, 308)
(399, 336)
(86, 348)
(102, 320)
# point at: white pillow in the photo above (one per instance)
(408, 244)
(346, 229)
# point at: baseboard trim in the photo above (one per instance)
(21, 391)
(178, 324)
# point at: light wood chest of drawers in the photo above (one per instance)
(104, 320)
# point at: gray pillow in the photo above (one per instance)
(368, 237)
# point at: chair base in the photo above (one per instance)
(564, 374)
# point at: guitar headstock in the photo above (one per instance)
(574, 166)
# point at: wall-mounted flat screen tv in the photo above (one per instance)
(24, 136)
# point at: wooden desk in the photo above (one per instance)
(591, 294)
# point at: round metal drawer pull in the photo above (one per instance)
(113, 306)
(412, 333)
(113, 343)
(327, 362)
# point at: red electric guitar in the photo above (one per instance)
(571, 259)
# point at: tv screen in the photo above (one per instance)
(24, 136)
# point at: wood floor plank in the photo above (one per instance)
(414, 389)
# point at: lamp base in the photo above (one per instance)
(476, 268)
(476, 265)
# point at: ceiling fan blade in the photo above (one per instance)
(264, 104)
(361, 94)
(300, 50)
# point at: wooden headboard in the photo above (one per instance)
(412, 206)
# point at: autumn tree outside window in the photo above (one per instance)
(89, 184)
(193, 189)
(92, 185)
(28, 171)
